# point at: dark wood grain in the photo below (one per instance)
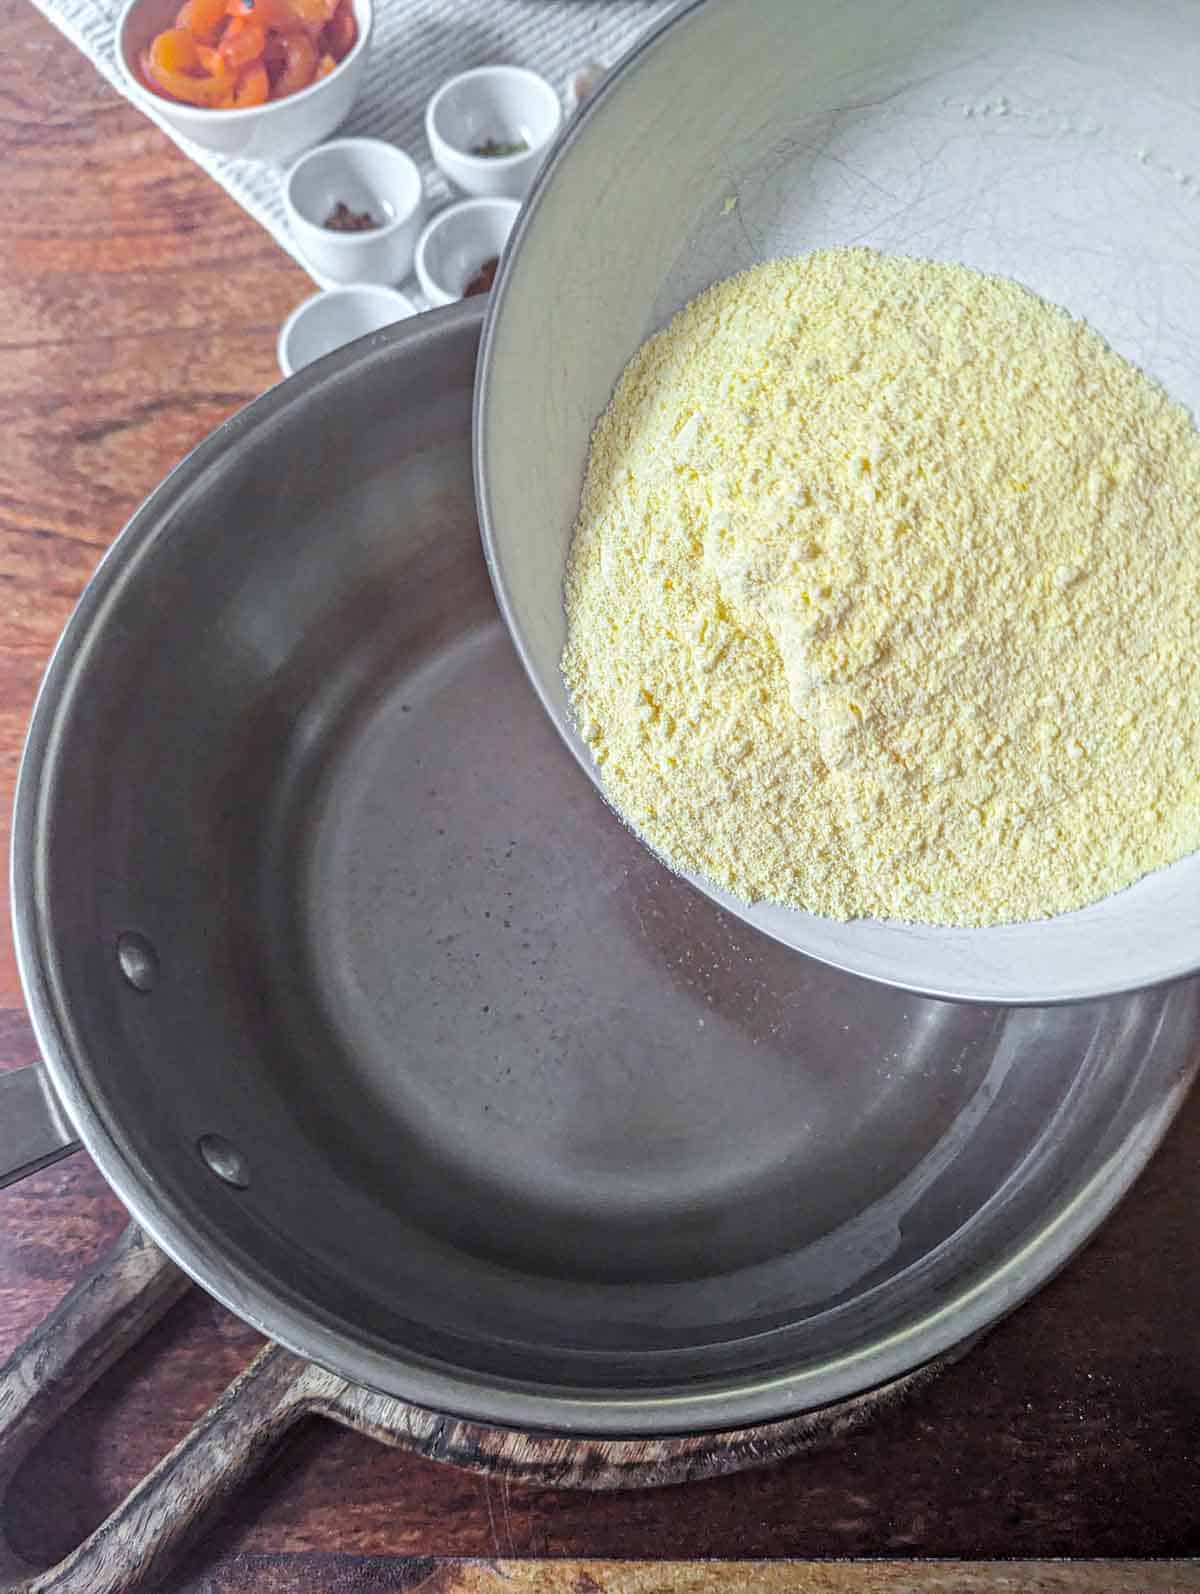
(344, 1575)
(139, 1546)
(138, 307)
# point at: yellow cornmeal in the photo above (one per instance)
(884, 598)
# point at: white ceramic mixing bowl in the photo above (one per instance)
(1053, 143)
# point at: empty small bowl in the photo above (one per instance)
(276, 131)
(458, 242)
(498, 106)
(368, 176)
(327, 321)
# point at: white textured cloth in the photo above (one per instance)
(417, 45)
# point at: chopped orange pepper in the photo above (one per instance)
(174, 51)
(224, 54)
(207, 90)
(269, 13)
(206, 20)
(340, 32)
(243, 42)
(274, 59)
(311, 15)
(255, 86)
(300, 63)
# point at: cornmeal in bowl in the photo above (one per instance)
(884, 597)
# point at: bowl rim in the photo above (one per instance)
(489, 162)
(351, 240)
(364, 16)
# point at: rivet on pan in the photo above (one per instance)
(224, 1160)
(138, 960)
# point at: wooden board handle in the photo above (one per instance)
(110, 1308)
(143, 1539)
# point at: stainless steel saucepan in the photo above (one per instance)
(390, 1033)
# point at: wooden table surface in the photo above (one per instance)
(139, 307)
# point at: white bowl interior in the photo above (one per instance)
(1052, 141)
(363, 174)
(327, 321)
(505, 104)
(462, 238)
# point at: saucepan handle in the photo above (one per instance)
(110, 1308)
(34, 1130)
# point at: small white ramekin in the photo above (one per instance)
(505, 103)
(458, 241)
(327, 321)
(365, 174)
